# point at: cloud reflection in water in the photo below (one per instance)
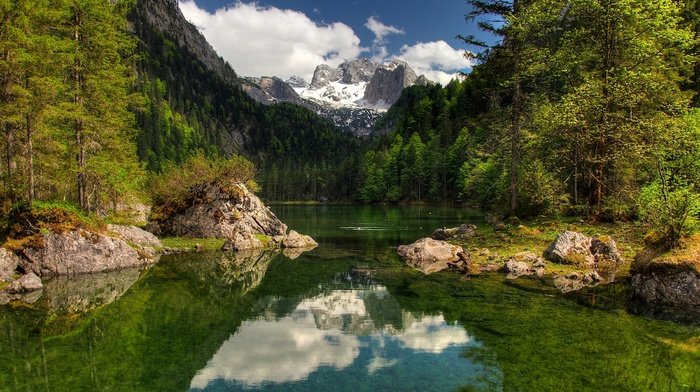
(323, 331)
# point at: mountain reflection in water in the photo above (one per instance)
(337, 331)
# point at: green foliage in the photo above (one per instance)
(675, 211)
(176, 185)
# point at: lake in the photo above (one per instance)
(346, 316)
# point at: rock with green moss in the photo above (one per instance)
(215, 211)
(667, 289)
(577, 249)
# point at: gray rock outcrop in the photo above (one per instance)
(136, 236)
(166, 16)
(324, 75)
(270, 90)
(220, 214)
(358, 71)
(8, 264)
(429, 255)
(79, 252)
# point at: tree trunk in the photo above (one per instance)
(516, 114)
(30, 160)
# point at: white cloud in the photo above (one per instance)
(381, 30)
(438, 61)
(268, 41)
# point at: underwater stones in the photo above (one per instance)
(429, 255)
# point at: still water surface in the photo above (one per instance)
(346, 316)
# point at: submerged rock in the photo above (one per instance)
(524, 263)
(462, 232)
(429, 255)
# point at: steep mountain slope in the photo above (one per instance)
(196, 102)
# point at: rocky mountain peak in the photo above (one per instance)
(297, 82)
(358, 71)
(325, 75)
(388, 82)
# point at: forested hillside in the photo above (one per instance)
(584, 107)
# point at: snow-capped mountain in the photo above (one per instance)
(353, 95)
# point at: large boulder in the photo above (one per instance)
(667, 289)
(296, 240)
(8, 264)
(136, 236)
(429, 255)
(570, 247)
(77, 252)
(597, 253)
(219, 212)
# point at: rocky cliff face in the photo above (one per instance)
(272, 90)
(165, 16)
(388, 82)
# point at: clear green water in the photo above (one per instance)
(346, 316)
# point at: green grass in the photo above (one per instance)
(185, 242)
(536, 235)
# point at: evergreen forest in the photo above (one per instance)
(580, 107)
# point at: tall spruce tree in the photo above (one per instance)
(98, 74)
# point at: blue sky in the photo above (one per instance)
(291, 37)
